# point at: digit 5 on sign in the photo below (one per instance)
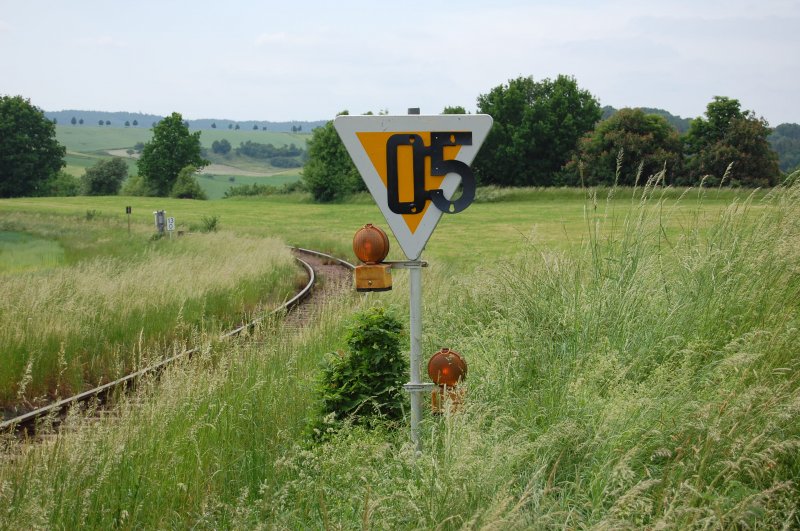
(439, 167)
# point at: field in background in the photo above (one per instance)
(88, 144)
(633, 364)
(496, 228)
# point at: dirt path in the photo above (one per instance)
(333, 283)
(224, 169)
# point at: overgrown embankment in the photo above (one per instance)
(649, 378)
(91, 320)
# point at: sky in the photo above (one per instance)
(311, 59)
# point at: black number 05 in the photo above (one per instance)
(439, 167)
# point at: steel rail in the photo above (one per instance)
(21, 421)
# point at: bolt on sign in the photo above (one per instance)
(413, 166)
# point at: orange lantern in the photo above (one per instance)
(447, 369)
(371, 246)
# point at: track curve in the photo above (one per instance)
(316, 264)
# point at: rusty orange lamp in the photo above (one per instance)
(371, 246)
(447, 369)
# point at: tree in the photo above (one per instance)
(80, 121)
(458, 109)
(105, 177)
(171, 149)
(62, 184)
(30, 155)
(108, 122)
(536, 128)
(100, 123)
(73, 121)
(186, 186)
(681, 124)
(214, 125)
(237, 127)
(127, 123)
(255, 127)
(646, 139)
(223, 147)
(729, 137)
(230, 126)
(785, 140)
(135, 123)
(330, 174)
(135, 186)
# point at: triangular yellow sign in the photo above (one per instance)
(396, 156)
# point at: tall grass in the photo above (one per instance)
(648, 379)
(66, 328)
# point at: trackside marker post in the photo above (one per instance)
(413, 166)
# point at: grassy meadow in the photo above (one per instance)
(503, 221)
(633, 363)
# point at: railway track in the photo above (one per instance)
(336, 275)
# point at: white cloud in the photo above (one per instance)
(103, 41)
(280, 37)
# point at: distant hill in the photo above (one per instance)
(146, 121)
(679, 123)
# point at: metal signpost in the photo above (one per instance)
(160, 218)
(412, 166)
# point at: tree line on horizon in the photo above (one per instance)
(77, 117)
(545, 133)
(554, 133)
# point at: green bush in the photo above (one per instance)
(186, 186)
(209, 223)
(364, 383)
(135, 186)
(62, 184)
(105, 177)
(256, 189)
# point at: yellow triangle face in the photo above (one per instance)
(374, 144)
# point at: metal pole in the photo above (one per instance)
(415, 279)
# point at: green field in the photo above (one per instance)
(93, 138)
(22, 252)
(555, 218)
(632, 364)
(87, 144)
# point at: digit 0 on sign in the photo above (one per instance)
(439, 167)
